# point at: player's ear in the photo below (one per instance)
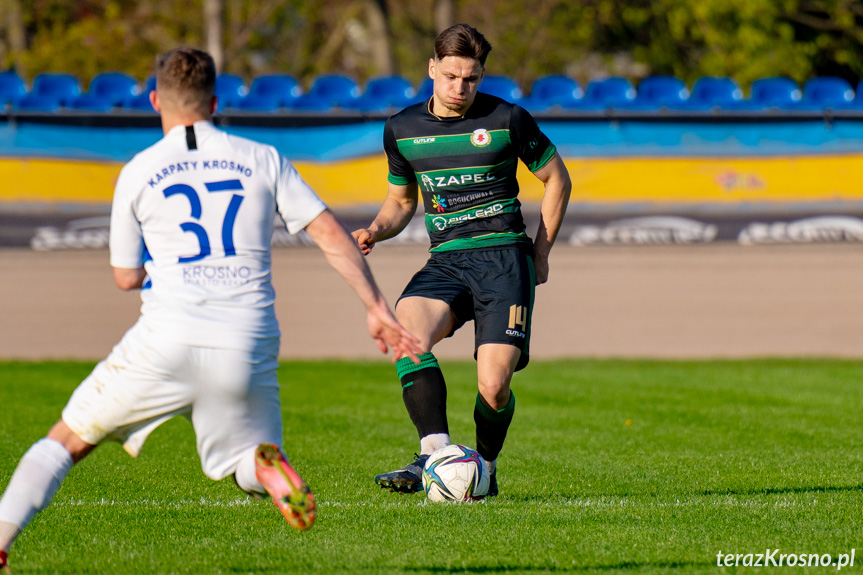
(431, 68)
(154, 101)
(214, 103)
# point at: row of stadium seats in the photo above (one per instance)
(55, 91)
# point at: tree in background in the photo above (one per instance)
(744, 39)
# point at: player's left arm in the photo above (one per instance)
(558, 188)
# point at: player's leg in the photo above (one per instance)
(503, 287)
(36, 479)
(423, 386)
(495, 402)
(238, 425)
(124, 399)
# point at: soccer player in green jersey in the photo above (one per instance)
(461, 150)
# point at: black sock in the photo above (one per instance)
(491, 427)
(424, 394)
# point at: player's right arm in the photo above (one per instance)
(128, 279)
(126, 241)
(396, 212)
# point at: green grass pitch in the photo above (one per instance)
(610, 467)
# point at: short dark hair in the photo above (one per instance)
(464, 41)
(187, 78)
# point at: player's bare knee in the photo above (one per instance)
(495, 392)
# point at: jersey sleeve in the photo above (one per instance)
(126, 241)
(400, 171)
(534, 147)
(296, 202)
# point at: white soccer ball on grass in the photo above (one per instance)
(455, 473)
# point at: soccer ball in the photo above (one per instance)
(455, 473)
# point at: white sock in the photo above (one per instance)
(245, 474)
(34, 483)
(431, 443)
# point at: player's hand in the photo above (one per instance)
(540, 266)
(387, 331)
(365, 240)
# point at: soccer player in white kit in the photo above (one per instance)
(191, 225)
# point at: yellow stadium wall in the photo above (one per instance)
(596, 180)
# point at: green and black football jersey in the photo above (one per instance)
(466, 169)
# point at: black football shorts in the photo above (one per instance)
(492, 286)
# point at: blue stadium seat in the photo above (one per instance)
(257, 103)
(140, 103)
(91, 103)
(383, 93)
(230, 88)
(661, 91)
(858, 96)
(827, 92)
(714, 91)
(58, 86)
(775, 92)
(12, 89)
(38, 103)
(115, 87)
(613, 92)
(282, 89)
(327, 91)
(553, 90)
(501, 86)
(425, 90)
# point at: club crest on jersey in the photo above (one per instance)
(480, 138)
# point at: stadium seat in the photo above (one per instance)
(115, 87)
(38, 103)
(710, 92)
(57, 86)
(140, 103)
(230, 88)
(12, 89)
(610, 92)
(383, 93)
(425, 90)
(501, 86)
(256, 102)
(775, 92)
(858, 96)
(553, 90)
(827, 92)
(282, 89)
(149, 84)
(661, 91)
(327, 91)
(91, 103)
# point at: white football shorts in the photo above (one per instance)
(230, 396)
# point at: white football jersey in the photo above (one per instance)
(196, 209)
